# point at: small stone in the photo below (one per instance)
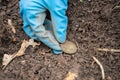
(77, 25)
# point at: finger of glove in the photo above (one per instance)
(59, 22)
(45, 35)
(49, 27)
(27, 8)
(41, 33)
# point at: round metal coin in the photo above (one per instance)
(69, 47)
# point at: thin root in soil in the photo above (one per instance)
(108, 50)
(101, 67)
(11, 26)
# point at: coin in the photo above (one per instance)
(68, 47)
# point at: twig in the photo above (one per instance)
(116, 7)
(77, 45)
(11, 26)
(8, 58)
(101, 67)
(108, 50)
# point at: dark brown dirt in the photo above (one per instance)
(92, 24)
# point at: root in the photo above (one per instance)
(8, 58)
(108, 50)
(12, 29)
(11, 26)
(116, 7)
(101, 67)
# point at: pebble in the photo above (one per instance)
(77, 25)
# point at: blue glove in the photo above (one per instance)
(33, 13)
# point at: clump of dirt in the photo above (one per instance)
(92, 24)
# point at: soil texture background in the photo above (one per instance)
(92, 24)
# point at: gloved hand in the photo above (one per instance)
(33, 13)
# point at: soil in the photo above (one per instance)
(92, 24)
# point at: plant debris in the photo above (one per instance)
(108, 50)
(8, 58)
(71, 76)
(101, 67)
(73, 73)
(11, 26)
